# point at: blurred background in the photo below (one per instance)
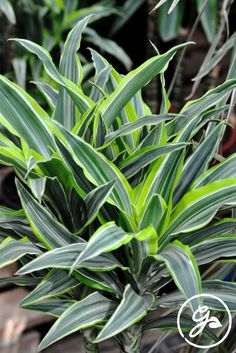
(126, 32)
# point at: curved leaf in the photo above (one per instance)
(198, 207)
(86, 313)
(197, 163)
(223, 290)
(131, 309)
(82, 102)
(109, 237)
(54, 284)
(12, 250)
(99, 170)
(53, 307)
(183, 269)
(64, 258)
(7, 9)
(131, 127)
(140, 159)
(24, 117)
(48, 230)
(226, 225)
(224, 170)
(70, 67)
(133, 82)
(213, 248)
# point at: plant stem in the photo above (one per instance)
(130, 342)
(88, 345)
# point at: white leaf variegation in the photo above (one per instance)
(116, 202)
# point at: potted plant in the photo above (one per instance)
(117, 203)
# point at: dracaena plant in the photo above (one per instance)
(117, 203)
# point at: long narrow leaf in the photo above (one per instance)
(133, 82)
(132, 309)
(54, 284)
(198, 162)
(70, 67)
(24, 117)
(11, 250)
(183, 269)
(110, 237)
(49, 231)
(198, 207)
(92, 310)
(64, 258)
(99, 170)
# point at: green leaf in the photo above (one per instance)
(92, 310)
(216, 58)
(152, 212)
(7, 9)
(37, 187)
(53, 307)
(100, 82)
(19, 66)
(96, 199)
(154, 137)
(169, 323)
(208, 100)
(13, 156)
(99, 170)
(131, 310)
(82, 102)
(48, 92)
(197, 163)
(47, 229)
(225, 225)
(133, 82)
(198, 207)
(210, 249)
(169, 24)
(24, 117)
(209, 18)
(224, 170)
(15, 225)
(183, 269)
(64, 258)
(128, 113)
(131, 127)
(56, 196)
(70, 67)
(109, 237)
(143, 157)
(222, 289)
(80, 183)
(21, 280)
(12, 250)
(165, 173)
(107, 281)
(54, 284)
(51, 168)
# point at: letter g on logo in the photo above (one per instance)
(202, 319)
